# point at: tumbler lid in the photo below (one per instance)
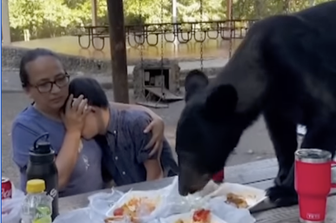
(313, 156)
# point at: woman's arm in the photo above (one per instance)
(73, 119)
(152, 163)
(156, 126)
(122, 106)
(153, 169)
(24, 137)
(67, 157)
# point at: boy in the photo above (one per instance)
(121, 137)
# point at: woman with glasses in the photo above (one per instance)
(78, 161)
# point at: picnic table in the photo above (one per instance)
(93, 35)
(259, 174)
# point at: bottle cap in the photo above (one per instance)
(35, 186)
(42, 148)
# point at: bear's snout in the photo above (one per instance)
(184, 190)
(191, 182)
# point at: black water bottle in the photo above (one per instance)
(42, 165)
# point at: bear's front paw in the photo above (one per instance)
(282, 196)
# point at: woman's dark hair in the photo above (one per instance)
(30, 56)
(90, 89)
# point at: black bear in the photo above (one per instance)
(285, 70)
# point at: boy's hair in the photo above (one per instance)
(90, 89)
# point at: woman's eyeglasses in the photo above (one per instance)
(60, 82)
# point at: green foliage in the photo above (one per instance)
(47, 18)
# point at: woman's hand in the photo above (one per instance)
(157, 129)
(156, 126)
(75, 112)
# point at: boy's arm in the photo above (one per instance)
(141, 139)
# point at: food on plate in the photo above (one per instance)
(236, 200)
(199, 216)
(113, 219)
(134, 208)
(118, 212)
(116, 219)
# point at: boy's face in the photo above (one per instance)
(93, 123)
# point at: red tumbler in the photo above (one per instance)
(313, 183)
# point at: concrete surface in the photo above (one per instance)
(254, 144)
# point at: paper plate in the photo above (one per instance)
(155, 195)
(253, 196)
(187, 218)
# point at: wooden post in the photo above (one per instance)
(6, 36)
(115, 10)
(229, 9)
(229, 16)
(94, 10)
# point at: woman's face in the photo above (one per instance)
(48, 82)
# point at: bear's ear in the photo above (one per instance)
(195, 80)
(222, 101)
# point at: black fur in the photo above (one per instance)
(285, 69)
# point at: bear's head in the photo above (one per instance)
(207, 132)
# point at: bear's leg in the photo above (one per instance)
(282, 130)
